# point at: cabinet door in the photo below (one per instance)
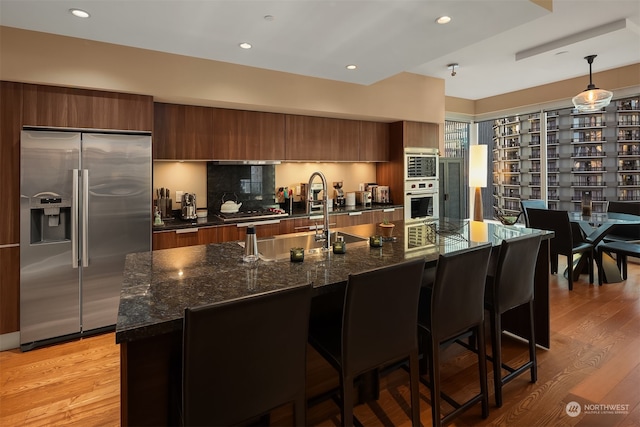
(248, 135)
(417, 134)
(10, 289)
(10, 126)
(230, 233)
(182, 132)
(175, 238)
(320, 138)
(80, 108)
(374, 142)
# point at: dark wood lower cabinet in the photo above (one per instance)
(10, 289)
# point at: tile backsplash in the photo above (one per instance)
(251, 185)
(254, 185)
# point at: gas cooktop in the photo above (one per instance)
(251, 215)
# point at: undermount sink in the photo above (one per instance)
(277, 247)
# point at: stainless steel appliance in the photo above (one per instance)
(189, 206)
(421, 200)
(339, 194)
(420, 164)
(85, 202)
(363, 198)
(312, 190)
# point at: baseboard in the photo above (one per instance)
(9, 341)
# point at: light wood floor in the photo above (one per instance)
(594, 359)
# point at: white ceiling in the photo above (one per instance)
(384, 37)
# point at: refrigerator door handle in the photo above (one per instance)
(85, 217)
(74, 220)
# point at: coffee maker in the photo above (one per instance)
(189, 206)
(339, 194)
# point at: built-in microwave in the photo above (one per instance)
(420, 163)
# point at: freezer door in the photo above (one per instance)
(49, 284)
(117, 171)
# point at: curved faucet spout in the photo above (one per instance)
(325, 206)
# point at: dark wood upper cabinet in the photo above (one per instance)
(248, 135)
(182, 132)
(374, 142)
(81, 108)
(320, 138)
(418, 134)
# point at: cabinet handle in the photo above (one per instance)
(389, 210)
(187, 230)
(355, 213)
(246, 224)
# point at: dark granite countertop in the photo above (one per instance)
(298, 212)
(159, 285)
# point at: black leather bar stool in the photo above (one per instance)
(452, 309)
(511, 285)
(245, 357)
(377, 328)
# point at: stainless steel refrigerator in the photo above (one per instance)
(85, 204)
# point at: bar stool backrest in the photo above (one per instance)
(244, 357)
(457, 302)
(381, 315)
(515, 272)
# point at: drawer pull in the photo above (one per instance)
(187, 230)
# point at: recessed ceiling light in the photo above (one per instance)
(245, 45)
(79, 13)
(269, 17)
(443, 20)
(351, 67)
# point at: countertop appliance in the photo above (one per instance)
(316, 189)
(188, 206)
(85, 203)
(339, 193)
(363, 198)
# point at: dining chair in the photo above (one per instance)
(244, 357)
(622, 249)
(452, 309)
(565, 241)
(623, 232)
(510, 286)
(531, 204)
(377, 327)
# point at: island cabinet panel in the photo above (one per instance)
(248, 135)
(81, 108)
(183, 132)
(322, 139)
(374, 142)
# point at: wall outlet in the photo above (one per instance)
(179, 196)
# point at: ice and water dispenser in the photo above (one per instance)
(50, 219)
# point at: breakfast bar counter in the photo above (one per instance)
(157, 287)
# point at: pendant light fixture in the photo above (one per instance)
(592, 98)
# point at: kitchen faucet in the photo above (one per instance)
(325, 208)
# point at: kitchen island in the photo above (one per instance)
(158, 286)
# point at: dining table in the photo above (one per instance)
(596, 227)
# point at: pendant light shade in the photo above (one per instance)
(592, 98)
